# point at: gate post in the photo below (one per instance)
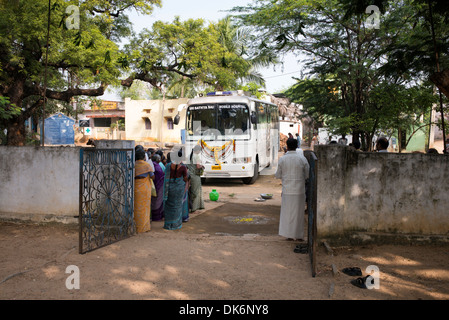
(312, 193)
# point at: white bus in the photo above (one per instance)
(238, 134)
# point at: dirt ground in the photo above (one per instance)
(229, 251)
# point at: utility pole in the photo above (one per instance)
(161, 128)
(46, 72)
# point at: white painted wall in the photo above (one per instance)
(286, 127)
(381, 192)
(40, 184)
(137, 110)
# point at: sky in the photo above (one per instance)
(277, 78)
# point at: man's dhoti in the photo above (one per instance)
(291, 223)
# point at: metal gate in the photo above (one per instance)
(106, 197)
(311, 191)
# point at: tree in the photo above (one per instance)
(189, 57)
(425, 50)
(85, 58)
(389, 107)
(85, 53)
(182, 48)
(237, 39)
(346, 55)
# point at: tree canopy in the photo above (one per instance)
(366, 63)
(85, 55)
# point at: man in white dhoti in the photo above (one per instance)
(293, 171)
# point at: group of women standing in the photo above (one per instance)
(176, 188)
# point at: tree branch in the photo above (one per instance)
(72, 92)
(113, 14)
(143, 76)
(29, 111)
(64, 65)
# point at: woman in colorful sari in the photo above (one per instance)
(157, 203)
(161, 163)
(175, 192)
(195, 170)
(142, 192)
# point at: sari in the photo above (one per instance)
(195, 189)
(157, 203)
(185, 203)
(175, 200)
(142, 196)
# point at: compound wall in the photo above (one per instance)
(397, 193)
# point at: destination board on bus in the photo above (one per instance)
(202, 108)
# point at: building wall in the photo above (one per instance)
(292, 127)
(418, 141)
(381, 192)
(138, 110)
(39, 184)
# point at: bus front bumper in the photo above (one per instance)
(245, 170)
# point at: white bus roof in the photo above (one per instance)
(226, 97)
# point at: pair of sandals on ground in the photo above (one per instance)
(360, 281)
(300, 248)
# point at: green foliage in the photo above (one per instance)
(119, 125)
(185, 56)
(8, 110)
(360, 80)
(253, 88)
(139, 90)
(189, 57)
(186, 48)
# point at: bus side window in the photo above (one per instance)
(260, 109)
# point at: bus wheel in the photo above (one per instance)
(252, 179)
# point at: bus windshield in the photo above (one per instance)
(218, 121)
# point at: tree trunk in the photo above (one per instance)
(441, 80)
(16, 135)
